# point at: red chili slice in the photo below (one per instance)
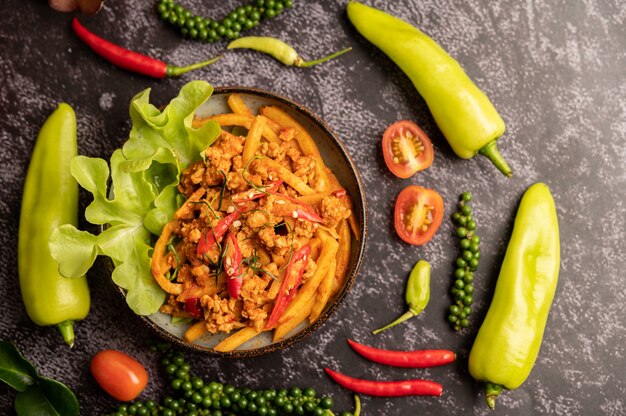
(232, 266)
(288, 289)
(387, 388)
(211, 235)
(299, 208)
(407, 359)
(339, 193)
(406, 149)
(252, 194)
(192, 307)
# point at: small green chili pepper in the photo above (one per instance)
(50, 199)
(279, 50)
(417, 294)
(466, 117)
(509, 339)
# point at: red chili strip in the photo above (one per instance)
(232, 266)
(253, 194)
(129, 60)
(408, 359)
(192, 307)
(301, 210)
(387, 388)
(211, 235)
(288, 289)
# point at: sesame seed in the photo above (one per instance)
(237, 224)
(230, 209)
(280, 202)
(294, 214)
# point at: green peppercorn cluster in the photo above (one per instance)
(208, 30)
(192, 396)
(463, 287)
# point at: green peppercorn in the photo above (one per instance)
(287, 408)
(462, 288)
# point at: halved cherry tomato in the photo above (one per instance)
(407, 149)
(119, 374)
(418, 214)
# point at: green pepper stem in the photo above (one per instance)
(357, 405)
(491, 151)
(491, 392)
(300, 63)
(407, 315)
(67, 332)
(176, 71)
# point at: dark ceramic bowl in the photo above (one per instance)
(337, 159)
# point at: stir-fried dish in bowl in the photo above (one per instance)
(269, 238)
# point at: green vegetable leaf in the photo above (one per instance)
(171, 129)
(77, 252)
(143, 195)
(46, 398)
(15, 370)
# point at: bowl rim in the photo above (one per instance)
(285, 343)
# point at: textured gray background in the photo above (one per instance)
(556, 70)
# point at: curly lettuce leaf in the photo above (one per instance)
(142, 198)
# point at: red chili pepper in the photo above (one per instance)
(130, 60)
(192, 307)
(232, 265)
(339, 193)
(287, 291)
(301, 210)
(408, 359)
(253, 194)
(211, 235)
(387, 388)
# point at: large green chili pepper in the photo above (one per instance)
(466, 117)
(50, 199)
(417, 293)
(508, 341)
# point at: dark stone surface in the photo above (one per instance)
(555, 71)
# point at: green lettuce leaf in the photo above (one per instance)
(142, 197)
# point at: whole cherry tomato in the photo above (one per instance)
(119, 374)
(406, 149)
(418, 214)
